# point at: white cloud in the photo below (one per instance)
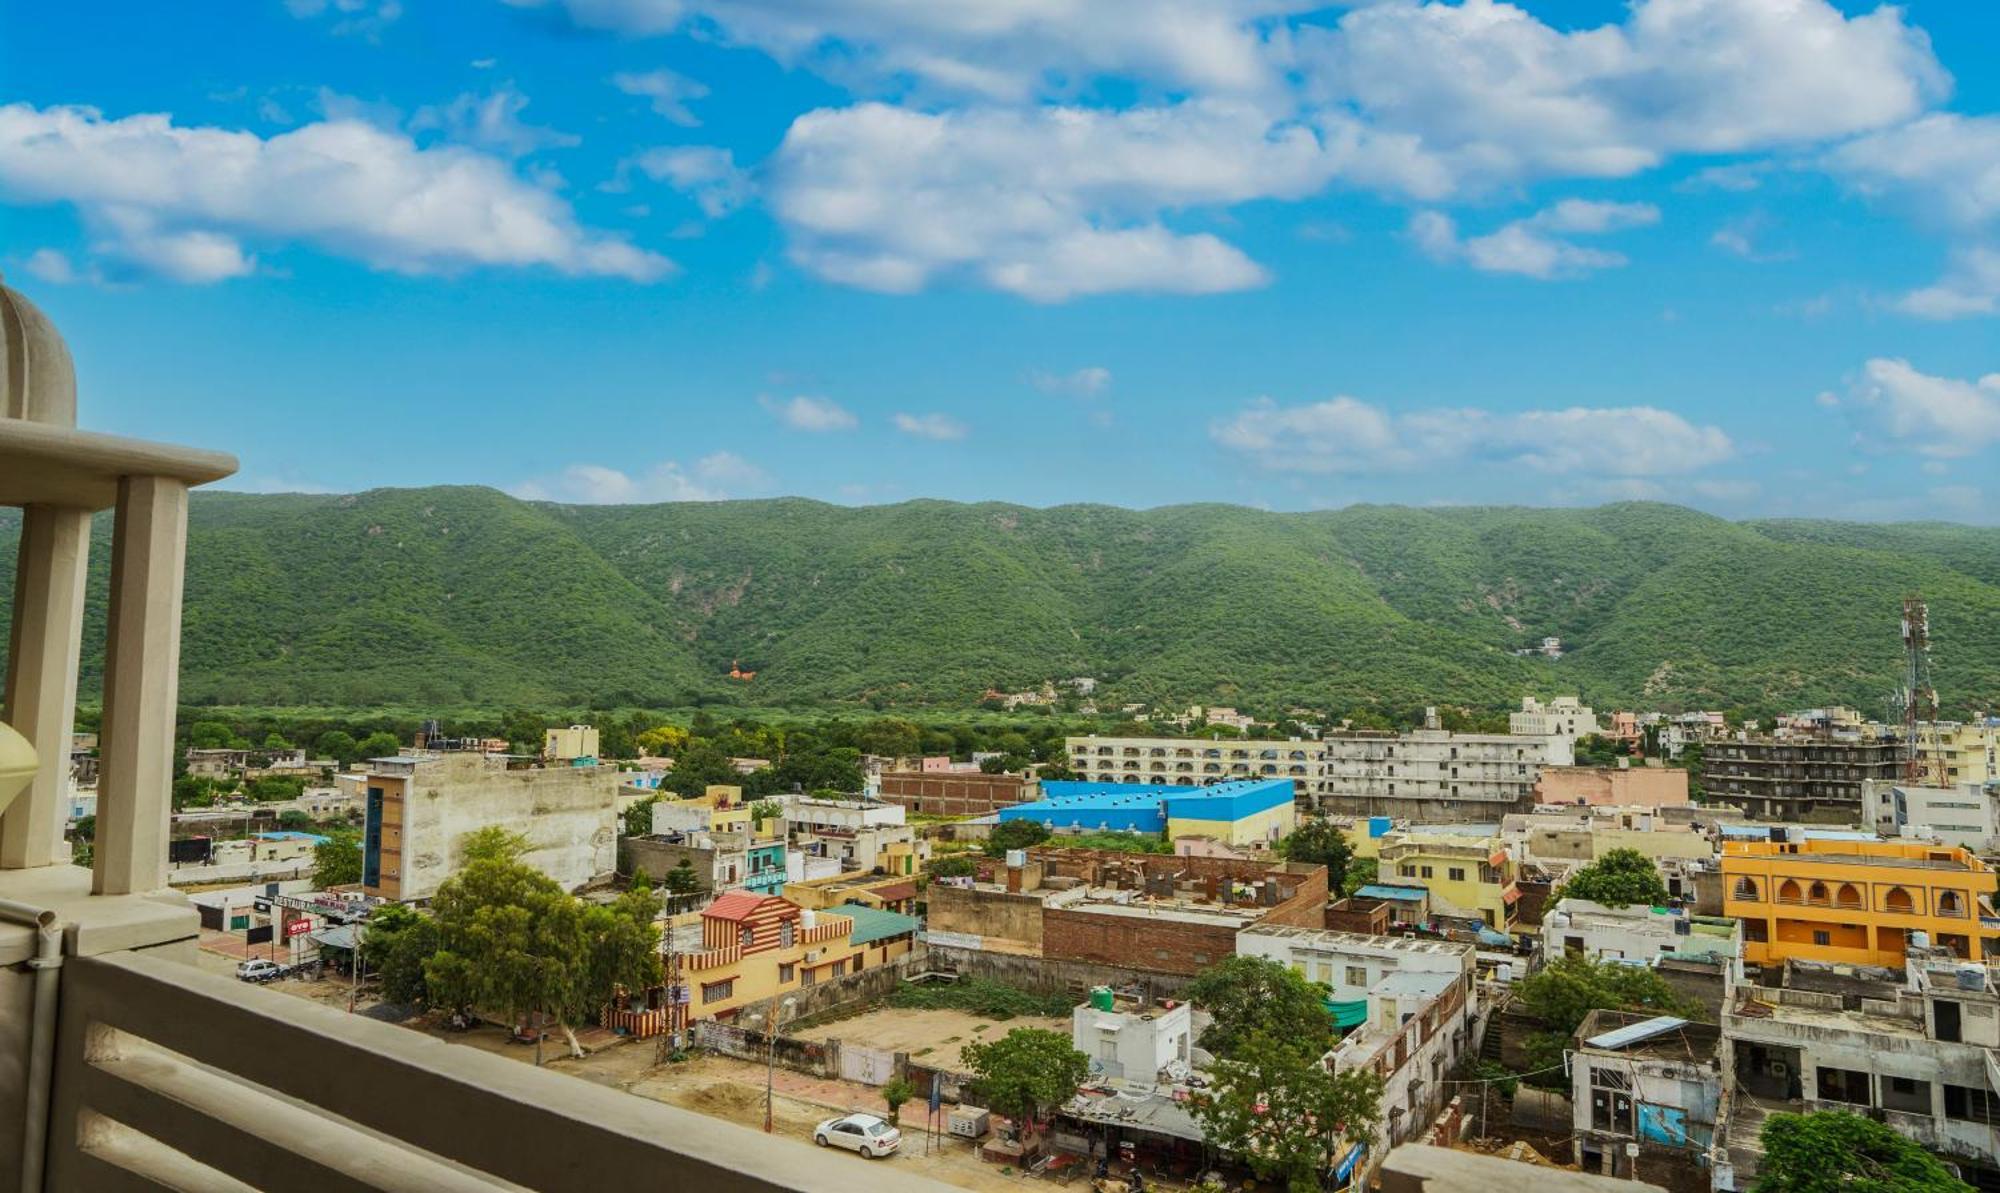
(1531, 246)
(365, 17)
(1946, 167)
(930, 426)
(666, 91)
(1741, 237)
(704, 173)
(715, 477)
(1970, 287)
(1049, 203)
(181, 200)
(491, 122)
(1087, 382)
(1007, 49)
(55, 267)
(1939, 417)
(1347, 435)
(807, 413)
(1491, 94)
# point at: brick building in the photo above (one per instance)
(956, 793)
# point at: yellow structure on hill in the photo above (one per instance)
(1857, 901)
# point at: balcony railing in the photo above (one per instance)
(171, 1077)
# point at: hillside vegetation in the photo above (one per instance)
(465, 596)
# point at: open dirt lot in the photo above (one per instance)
(930, 1037)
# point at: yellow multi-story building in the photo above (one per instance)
(1857, 901)
(1956, 752)
(751, 948)
(1466, 876)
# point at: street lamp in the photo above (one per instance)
(771, 1023)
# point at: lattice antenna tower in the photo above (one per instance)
(1920, 699)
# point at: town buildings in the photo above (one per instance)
(1798, 778)
(1121, 915)
(955, 793)
(1612, 786)
(1914, 1048)
(1967, 814)
(1352, 964)
(860, 834)
(1637, 933)
(1240, 813)
(1646, 1093)
(420, 808)
(1584, 834)
(1955, 752)
(1133, 1040)
(746, 948)
(1433, 773)
(1564, 716)
(1193, 760)
(1857, 902)
(1470, 877)
(570, 744)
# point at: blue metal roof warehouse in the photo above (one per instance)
(1131, 807)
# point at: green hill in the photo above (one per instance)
(466, 597)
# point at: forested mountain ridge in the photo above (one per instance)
(465, 596)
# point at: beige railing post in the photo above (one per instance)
(42, 660)
(141, 685)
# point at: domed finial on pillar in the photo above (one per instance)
(37, 380)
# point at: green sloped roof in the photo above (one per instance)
(872, 924)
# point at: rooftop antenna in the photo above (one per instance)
(1919, 696)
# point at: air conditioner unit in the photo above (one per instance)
(813, 955)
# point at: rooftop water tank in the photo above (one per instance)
(808, 918)
(1101, 998)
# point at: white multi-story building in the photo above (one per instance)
(1564, 716)
(1193, 761)
(1435, 772)
(1350, 964)
(1968, 814)
(1134, 1042)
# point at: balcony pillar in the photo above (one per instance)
(42, 659)
(141, 686)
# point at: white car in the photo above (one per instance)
(868, 1134)
(257, 969)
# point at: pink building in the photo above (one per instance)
(1612, 786)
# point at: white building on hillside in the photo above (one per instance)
(1564, 716)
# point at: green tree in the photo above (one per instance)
(637, 820)
(337, 861)
(1594, 749)
(210, 735)
(895, 1094)
(1055, 768)
(1026, 1072)
(951, 865)
(1280, 1112)
(1360, 872)
(1833, 1151)
(1253, 996)
(293, 820)
(681, 880)
(276, 742)
(338, 745)
(396, 941)
(1015, 834)
(765, 809)
(1619, 878)
(380, 744)
(194, 791)
(512, 941)
(699, 765)
(1321, 843)
(525, 731)
(1563, 992)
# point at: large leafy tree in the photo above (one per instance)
(1563, 992)
(1026, 1072)
(1253, 996)
(395, 943)
(1838, 1152)
(1321, 843)
(1620, 877)
(337, 861)
(511, 941)
(380, 744)
(1280, 1112)
(1015, 834)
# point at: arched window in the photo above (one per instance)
(1746, 889)
(1849, 896)
(1949, 903)
(1788, 891)
(1898, 899)
(1816, 893)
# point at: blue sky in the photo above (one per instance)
(1741, 254)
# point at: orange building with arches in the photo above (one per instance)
(1857, 901)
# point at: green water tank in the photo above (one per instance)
(1101, 999)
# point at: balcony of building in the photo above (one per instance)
(122, 1064)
